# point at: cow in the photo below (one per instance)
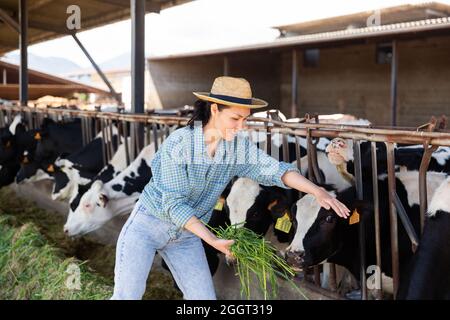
(103, 201)
(80, 167)
(53, 140)
(322, 236)
(427, 277)
(258, 208)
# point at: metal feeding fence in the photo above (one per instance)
(139, 130)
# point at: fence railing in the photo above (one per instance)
(139, 130)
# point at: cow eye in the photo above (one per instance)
(329, 219)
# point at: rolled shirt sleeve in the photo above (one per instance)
(174, 185)
(255, 164)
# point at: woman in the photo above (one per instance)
(190, 171)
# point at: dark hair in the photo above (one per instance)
(202, 112)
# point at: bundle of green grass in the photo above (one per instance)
(255, 255)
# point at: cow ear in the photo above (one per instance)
(103, 200)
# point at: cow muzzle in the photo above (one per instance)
(295, 259)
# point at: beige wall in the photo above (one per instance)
(349, 81)
(175, 79)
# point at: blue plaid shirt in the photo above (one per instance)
(187, 182)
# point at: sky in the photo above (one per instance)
(204, 25)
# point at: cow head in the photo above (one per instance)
(321, 233)
(32, 170)
(91, 212)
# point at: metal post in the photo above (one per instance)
(226, 66)
(394, 68)
(138, 61)
(97, 68)
(5, 80)
(426, 157)
(125, 135)
(23, 46)
(294, 84)
(361, 230)
(393, 215)
(376, 209)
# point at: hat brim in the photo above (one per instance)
(256, 103)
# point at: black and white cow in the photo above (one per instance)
(322, 236)
(104, 201)
(80, 167)
(427, 277)
(258, 208)
(53, 139)
(13, 141)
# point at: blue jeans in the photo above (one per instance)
(142, 235)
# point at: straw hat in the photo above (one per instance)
(232, 92)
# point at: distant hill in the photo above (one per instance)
(119, 62)
(52, 65)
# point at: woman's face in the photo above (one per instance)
(229, 121)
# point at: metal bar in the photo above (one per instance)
(294, 83)
(423, 197)
(23, 46)
(167, 131)
(394, 69)
(226, 66)
(332, 279)
(83, 132)
(10, 21)
(137, 146)
(97, 68)
(376, 208)
(361, 230)
(412, 235)
(104, 146)
(137, 8)
(311, 175)
(285, 147)
(155, 136)
(393, 215)
(316, 275)
(125, 134)
(111, 138)
(2, 119)
(5, 78)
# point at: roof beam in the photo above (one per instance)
(150, 6)
(37, 4)
(10, 21)
(49, 27)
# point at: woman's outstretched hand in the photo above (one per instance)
(327, 201)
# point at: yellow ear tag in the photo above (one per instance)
(219, 204)
(354, 218)
(50, 168)
(284, 223)
(37, 136)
